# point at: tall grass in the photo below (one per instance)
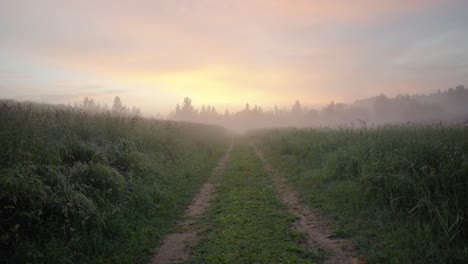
(81, 187)
(417, 172)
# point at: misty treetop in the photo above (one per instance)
(449, 106)
(89, 105)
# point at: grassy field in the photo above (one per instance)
(95, 188)
(401, 193)
(78, 187)
(248, 223)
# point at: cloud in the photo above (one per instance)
(12, 76)
(229, 51)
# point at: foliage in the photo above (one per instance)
(448, 107)
(415, 176)
(87, 187)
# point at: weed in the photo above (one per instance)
(78, 187)
(401, 191)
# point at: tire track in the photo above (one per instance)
(174, 247)
(317, 232)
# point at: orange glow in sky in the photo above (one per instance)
(229, 53)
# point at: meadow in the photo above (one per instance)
(400, 192)
(80, 187)
(106, 187)
(247, 222)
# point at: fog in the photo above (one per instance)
(448, 106)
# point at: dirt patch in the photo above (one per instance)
(317, 232)
(174, 247)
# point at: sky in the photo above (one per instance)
(228, 53)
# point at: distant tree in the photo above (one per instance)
(257, 109)
(117, 106)
(187, 111)
(88, 104)
(383, 109)
(459, 88)
(329, 110)
(135, 111)
(296, 108)
(187, 106)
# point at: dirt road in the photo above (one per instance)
(247, 223)
(318, 232)
(174, 247)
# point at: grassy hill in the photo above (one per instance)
(95, 188)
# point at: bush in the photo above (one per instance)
(99, 180)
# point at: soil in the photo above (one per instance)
(175, 246)
(317, 232)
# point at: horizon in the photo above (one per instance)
(153, 54)
(441, 107)
(224, 131)
(236, 109)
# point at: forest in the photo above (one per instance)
(448, 107)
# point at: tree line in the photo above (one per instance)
(449, 106)
(443, 106)
(89, 105)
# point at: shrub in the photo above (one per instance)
(99, 180)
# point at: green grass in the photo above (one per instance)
(95, 188)
(104, 188)
(247, 223)
(400, 192)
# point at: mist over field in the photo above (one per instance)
(448, 107)
(220, 131)
(442, 107)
